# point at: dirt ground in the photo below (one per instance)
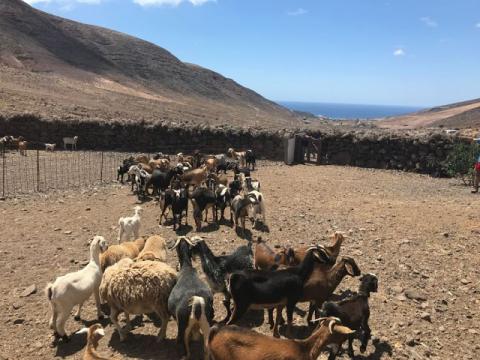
(419, 235)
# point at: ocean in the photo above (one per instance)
(349, 111)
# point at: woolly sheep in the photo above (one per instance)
(130, 226)
(75, 288)
(138, 288)
(155, 249)
(115, 253)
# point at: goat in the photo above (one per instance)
(263, 289)
(202, 200)
(50, 147)
(250, 159)
(191, 301)
(179, 206)
(240, 206)
(267, 259)
(75, 288)
(22, 147)
(237, 170)
(258, 207)
(72, 141)
(223, 199)
(218, 268)
(166, 202)
(194, 177)
(161, 180)
(354, 312)
(211, 164)
(94, 334)
(123, 169)
(235, 187)
(250, 184)
(236, 343)
(141, 179)
(130, 226)
(240, 156)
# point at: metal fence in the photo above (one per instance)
(42, 171)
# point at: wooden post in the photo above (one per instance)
(101, 169)
(3, 172)
(38, 170)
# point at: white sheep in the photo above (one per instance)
(75, 288)
(138, 288)
(259, 207)
(130, 226)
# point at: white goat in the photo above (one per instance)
(76, 288)
(50, 147)
(259, 207)
(130, 226)
(70, 141)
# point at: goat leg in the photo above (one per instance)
(226, 303)
(290, 309)
(270, 317)
(366, 335)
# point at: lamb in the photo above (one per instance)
(137, 288)
(191, 301)
(50, 147)
(354, 312)
(94, 334)
(261, 289)
(70, 141)
(155, 249)
(218, 268)
(130, 226)
(115, 253)
(236, 343)
(75, 288)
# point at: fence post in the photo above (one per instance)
(101, 169)
(38, 170)
(3, 172)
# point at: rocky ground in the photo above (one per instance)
(419, 235)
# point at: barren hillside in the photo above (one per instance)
(57, 67)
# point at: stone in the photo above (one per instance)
(415, 294)
(465, 281)
(32, 289)
(410, 341)
(426, 316)
(68, 232)
(18, 321)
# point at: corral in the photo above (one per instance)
(418, 234)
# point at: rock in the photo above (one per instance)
(68, 232)
(415, 294)
(87, 209)
(17, 305)
(32, 289)
(410, 341)
(465, 281)
(57, 229)
(472, 331)
(445, 234)
(18, 321)
(426, 316)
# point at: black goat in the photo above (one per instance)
(166, 202)
(161, 180)
(265, 289)
(123, 169)
(245, 171)
(250, 159)
(218, 268)
(354, 312)
(191, 300)
(235, 187)
(226, 165)
(223, 199)
(203, 199)
(179, 206)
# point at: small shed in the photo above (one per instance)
(302, 149)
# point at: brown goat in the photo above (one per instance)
(155, 249)
(22, 147)
(267, 259)
(142, 159)
(194, 177)
(211, 164)
(236, 343)
(332, 250)
(162, 164)
(115, 253)
(94, 334)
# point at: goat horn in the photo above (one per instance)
(321, 319)
(332, 322)
(176, 243)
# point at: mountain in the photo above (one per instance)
(58, 67)
(459, 115)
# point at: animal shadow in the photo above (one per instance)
(183, 230)
(211, 227)
(244, 234)
(253, 318)
(143, 346)
(260, 226)
(381, 347)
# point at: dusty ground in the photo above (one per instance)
(416, 233)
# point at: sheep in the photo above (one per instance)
(137, 288)
(257, 208)
(130, 226)
(94, 334)
(354, 312)
(155, 249)
(22, 147)
(267, 259)
(240, 206)
(70, 141)
(75, 288)
(263, 289)
(218, 268)
(50, 147)
(250, 159)
(236, 343)
(223, 199)
(202, 200)
(191, 301)
(114, 253)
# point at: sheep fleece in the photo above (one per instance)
(128, 285)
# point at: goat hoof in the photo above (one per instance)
(363, 348)
(77, 318)
(65, 338)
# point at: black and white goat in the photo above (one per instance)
(266, 289)
(235, 187)
(218, 268)
(258, 208)
(122, 170)
(250, 159)
(180, 206)
(223, 200)
(354, 312)
(202, 200)
(191, 301)
(241, 206)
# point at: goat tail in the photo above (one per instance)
(198, 307)
(49, 291)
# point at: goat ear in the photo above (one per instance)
(349, 269)
(340, 329)
(100, 332)
(82, 331)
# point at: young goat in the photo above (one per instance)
(354, 312)
(130, 226)
(263, 289)
(76, 288)
(191, 301)
(94, 334)
(218, 268)
(236, 343)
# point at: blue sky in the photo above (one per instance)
(392, 52)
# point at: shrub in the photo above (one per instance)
(460, 161)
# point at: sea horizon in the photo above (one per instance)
(342, 111)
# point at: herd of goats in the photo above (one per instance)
(21, 145)
(133, 278)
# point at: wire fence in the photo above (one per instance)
(42, 171)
